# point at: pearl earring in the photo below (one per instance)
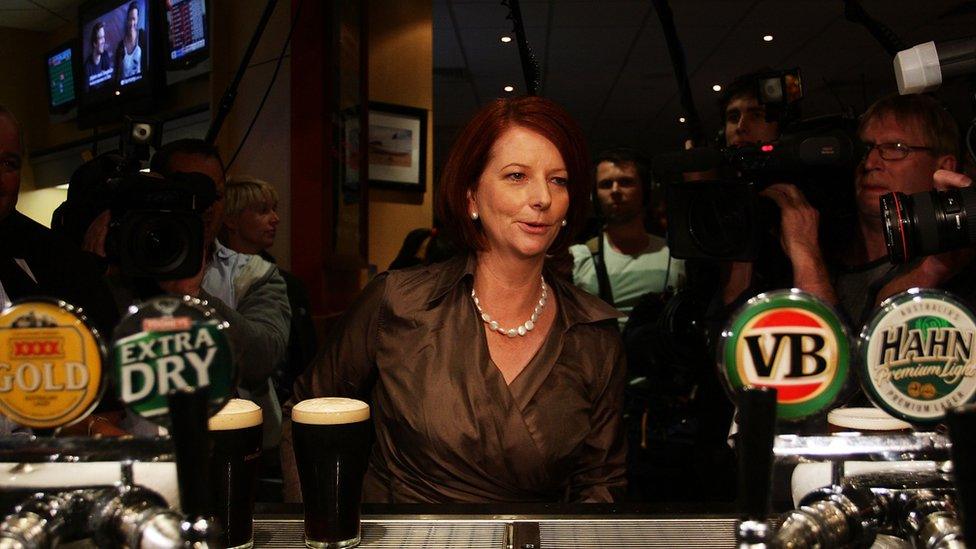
(474, 216)
(562, 223)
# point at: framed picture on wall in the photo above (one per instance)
(397, 147)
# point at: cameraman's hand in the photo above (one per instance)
(799, 230)
(945, 180)
(185, 286)
(799, 221)
(94, 239)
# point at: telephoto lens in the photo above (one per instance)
(928, 222)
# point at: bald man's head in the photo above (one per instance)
(11, 155)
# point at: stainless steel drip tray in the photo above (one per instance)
(500, 532)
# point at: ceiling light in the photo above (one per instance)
(717, 87)
(506, 39)
(681, 119)
(509, 88)
(768, 38)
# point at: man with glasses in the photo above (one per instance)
(906, 139)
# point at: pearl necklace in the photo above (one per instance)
(520, 330)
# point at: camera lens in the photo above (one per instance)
(160, 243)
(927, 223)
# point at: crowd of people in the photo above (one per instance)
(511, 364)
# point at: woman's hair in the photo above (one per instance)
(472, 149)
(94, 33)
(241, 193)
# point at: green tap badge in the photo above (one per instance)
(917, 355)
(790, 341)
(167, 344)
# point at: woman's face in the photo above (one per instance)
(256, 226)
(521, 196)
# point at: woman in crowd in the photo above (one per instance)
(490, 379)
(250, 226)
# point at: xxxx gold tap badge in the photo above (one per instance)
(168, 344)
(917, 355)
(792, 342)
(50, 365)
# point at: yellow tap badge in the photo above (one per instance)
(50, 365)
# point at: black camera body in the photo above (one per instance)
(928, 222)
(157, 229)
(714, 207)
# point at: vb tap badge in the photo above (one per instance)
(917, 355)
(50, 364)
(792, 342)
(168, 344)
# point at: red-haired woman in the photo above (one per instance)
(490, 378)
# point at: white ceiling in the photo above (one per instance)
(607, 62)
(38, 15)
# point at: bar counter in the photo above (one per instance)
(522, 526)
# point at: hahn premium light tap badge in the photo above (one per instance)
(50, 364)
(792, 342)
(917, 355)
(169, 344)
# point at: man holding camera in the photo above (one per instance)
(909, 138)
(747, 123)
(246, 290)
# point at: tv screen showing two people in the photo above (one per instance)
(116, 46)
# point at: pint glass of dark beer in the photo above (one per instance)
(236, 433)
(331, 440)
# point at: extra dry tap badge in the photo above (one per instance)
(167, 344)
(50, 364)
(917, 355)
(792, 342)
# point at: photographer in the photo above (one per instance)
(913, 146)
(246, 290)
(747, 123)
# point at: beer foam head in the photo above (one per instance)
(867, 419)
(330, 411)
(236, 414)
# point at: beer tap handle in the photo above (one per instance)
(188, 411)
(962, 425)
(754, 444)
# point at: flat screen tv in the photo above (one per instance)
(188, 32)
(61, 69)
(120, 67)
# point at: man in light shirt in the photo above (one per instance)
(624, 262)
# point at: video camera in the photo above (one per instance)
(156, 228)
(714, 206)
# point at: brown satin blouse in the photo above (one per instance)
(448, 427)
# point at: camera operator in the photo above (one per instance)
(912, 146)
(747, 123)
(245, 290)
(248, 291)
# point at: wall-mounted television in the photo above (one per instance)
(120, 68)
(61, 69)
(188, 32)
